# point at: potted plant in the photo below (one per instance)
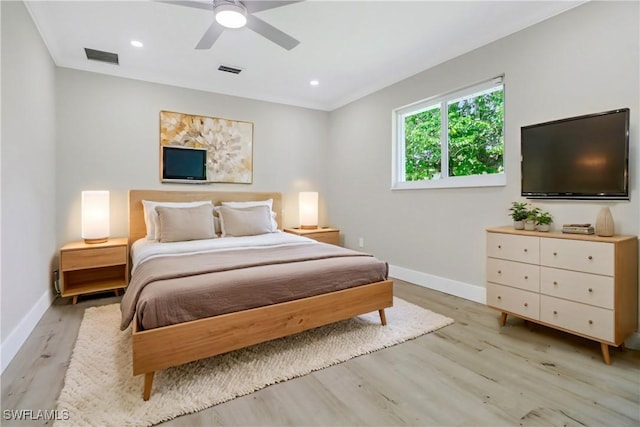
(530, 221)
(519, 212)
(543, 221)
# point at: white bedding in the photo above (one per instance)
(144, 249)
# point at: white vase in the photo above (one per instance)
(604, 223)
(529, 225)
(543, 227)
(518, 225)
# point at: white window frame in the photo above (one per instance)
(445, 181)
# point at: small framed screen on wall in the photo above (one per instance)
(183, 164)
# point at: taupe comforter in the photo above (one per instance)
(174, 289)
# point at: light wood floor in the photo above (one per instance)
(469, 373)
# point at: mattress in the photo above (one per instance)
(179, 282)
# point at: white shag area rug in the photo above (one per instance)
(100, 390)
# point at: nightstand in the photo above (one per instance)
(88, 268)
(325, 235)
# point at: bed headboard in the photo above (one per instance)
(137, 228)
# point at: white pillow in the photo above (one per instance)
(151, 216)
(250, 204)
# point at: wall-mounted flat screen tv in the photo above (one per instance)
(585, 157)
(184, 164)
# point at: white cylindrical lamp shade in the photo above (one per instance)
(308, 209)
(95, 216)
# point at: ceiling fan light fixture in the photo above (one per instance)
(231, 15)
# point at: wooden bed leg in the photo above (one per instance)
(503, 319)
(605, 353)
(148, 382)
(383, 317)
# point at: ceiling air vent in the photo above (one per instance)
(229, 69)
(102, 56)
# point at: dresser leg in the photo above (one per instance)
(503, 319)
(75, 299)
(605, 353)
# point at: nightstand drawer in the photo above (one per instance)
(92, 258)
(517, 301)
(326, 237)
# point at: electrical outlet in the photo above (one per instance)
(361, 242)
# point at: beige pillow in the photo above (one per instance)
(180, 224)
(245, 221)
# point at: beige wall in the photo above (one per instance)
(108, 138)
(583, 61)
(28, 174)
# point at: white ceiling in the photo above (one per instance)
(352, 47)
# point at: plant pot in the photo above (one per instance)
(518, 225)
(529, 225)
(543, 227)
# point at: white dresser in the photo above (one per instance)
(585, 285)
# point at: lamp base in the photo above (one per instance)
(99, 240)
(308, 227)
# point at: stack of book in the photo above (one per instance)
(577, 228)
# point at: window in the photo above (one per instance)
(454, 140)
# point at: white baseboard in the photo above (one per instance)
(19, 335)
(442, 284)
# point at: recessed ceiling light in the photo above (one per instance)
(314, 82)
(136, 43)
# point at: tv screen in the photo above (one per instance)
(184, 164)
(585, 157)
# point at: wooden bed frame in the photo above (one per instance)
(161, 348)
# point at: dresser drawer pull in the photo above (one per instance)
(555, 312)
(526, 277)
(499, 246)
(590, 257)
(526, 304)
(555, 254)
(499, 271)
(591, 322)
(526, 250)
(590, 290)
(555, 283)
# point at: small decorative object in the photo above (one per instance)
(543, 221)
(604, 223)
(530, 221)
(519, 212)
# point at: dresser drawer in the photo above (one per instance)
(590, 257)
(586, 288)
(514, 248)
(514, 300)
(92, 258)
(515, 274)
(592, 321)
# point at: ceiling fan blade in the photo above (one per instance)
(187, 3)
(270, 32)
(210, 36)
(258, 5)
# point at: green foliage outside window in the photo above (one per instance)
(475, 138)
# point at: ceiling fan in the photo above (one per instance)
(239, 13)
